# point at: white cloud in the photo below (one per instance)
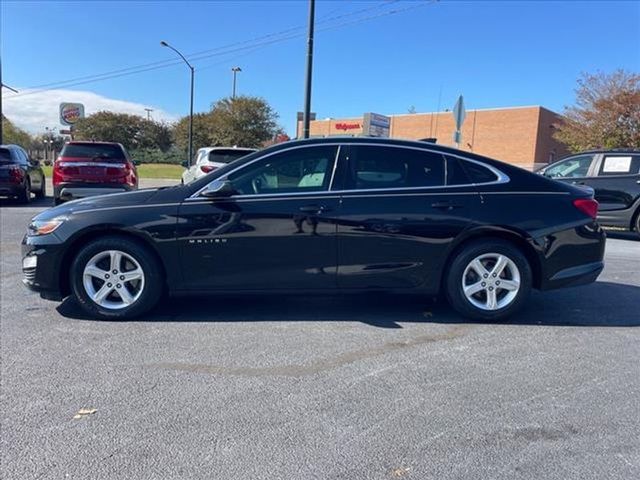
(38, 110)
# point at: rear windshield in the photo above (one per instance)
(227, 156)
(5, 156)
(92, 151)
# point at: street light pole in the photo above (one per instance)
(235, 71)
(190, 154)
(307, 93)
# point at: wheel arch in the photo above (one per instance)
(85, 236)
(519, 239)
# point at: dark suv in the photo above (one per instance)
(614, 175)
(84, 169)
(20, 175)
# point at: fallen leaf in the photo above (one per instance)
(83, 412)
(400, 472)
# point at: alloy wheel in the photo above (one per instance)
(113, 279)
(491, 281)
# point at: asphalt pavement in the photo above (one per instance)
(300, 387)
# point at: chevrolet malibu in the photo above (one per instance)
(324, 215)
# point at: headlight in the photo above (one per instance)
(44, 227)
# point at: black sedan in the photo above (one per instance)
(20, 175)
(335, 214)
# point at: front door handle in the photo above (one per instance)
(578, 183)
(314, 209)
(445, 205)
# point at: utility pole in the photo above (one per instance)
(235, 71)
(307, 93)
(148, 110)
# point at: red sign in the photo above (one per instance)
(347, 126)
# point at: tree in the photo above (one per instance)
(606, 113)
(132, 131)
(15, 135)
(243, 121)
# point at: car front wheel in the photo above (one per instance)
(115, 278)
(488, 280)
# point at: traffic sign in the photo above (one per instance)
(459, 113)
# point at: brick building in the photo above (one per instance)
(522, 136)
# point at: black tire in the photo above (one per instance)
(42, 193)
(56, 201)
(637, 223)
(153, 278)
(454, 280)
(25, 195)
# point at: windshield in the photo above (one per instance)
(227, 156)
(93, 151)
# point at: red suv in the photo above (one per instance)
(84, 169)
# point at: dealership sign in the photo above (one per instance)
(376, 125)
(70, 113)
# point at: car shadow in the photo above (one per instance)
(45, 202)
(602, 304)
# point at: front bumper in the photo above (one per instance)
(42, 266)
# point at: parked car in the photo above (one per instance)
(20, 175)
(84, 169)
(614, 176)
(210, 158)
(322, 215)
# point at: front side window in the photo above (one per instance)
(293, 171)
(620, 165)
(375, 167)
(575, 167)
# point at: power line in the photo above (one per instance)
(215, 52)
(196, 55)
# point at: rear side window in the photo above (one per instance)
(477, 173)
(227, 156)
(620, 165)
(5, 156)
(92, 151)
(373, 167)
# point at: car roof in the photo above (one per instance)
(211, 149)
(608, 150)
(91, 142)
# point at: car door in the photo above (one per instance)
(277, 231)
(398, 216)
(33, 174)
(617, 184)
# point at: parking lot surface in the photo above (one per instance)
(297, 387)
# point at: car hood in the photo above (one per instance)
(136, 197)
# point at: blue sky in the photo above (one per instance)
(496, 53)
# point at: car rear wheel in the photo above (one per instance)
(115, 278)
(25, 195)
(488, 280)
(42, 193)
(638, 223)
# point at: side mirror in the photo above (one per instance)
(185, 164)
(218, 188)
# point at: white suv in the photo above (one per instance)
(210, 158)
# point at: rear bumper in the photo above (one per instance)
(572, 257)
(72, 191)
(11, 189)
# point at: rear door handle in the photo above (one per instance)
(314, 209)
(445, 205)
(578, 183)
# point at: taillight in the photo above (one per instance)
(130, 174)
(587, 206)
(57, 174)
(207, 168)
(16, 174)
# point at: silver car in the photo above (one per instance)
(210, 158)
